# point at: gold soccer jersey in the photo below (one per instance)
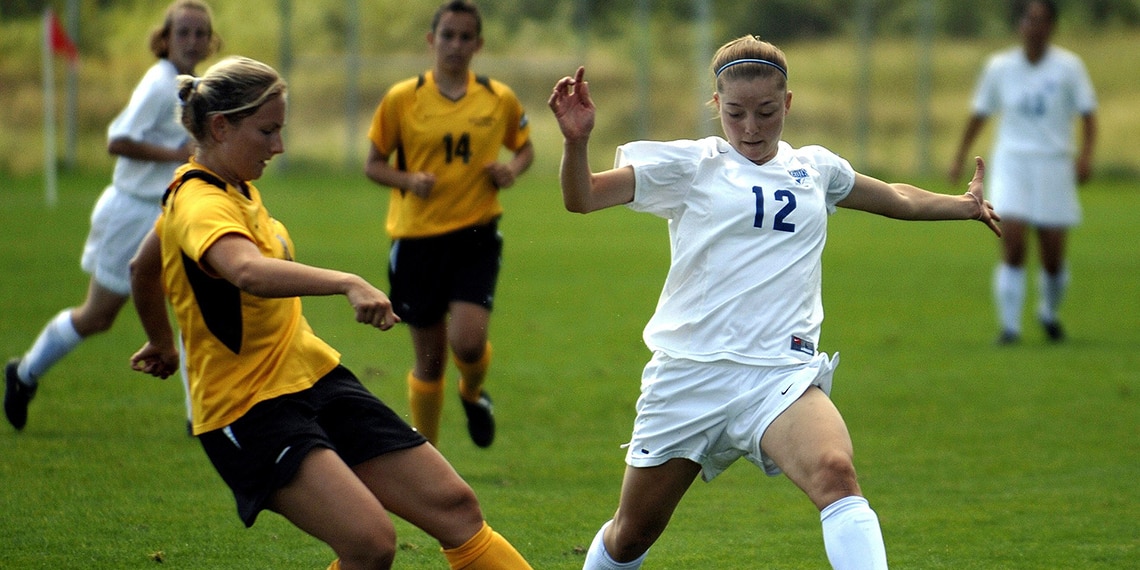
(240, 349)
(454, 140)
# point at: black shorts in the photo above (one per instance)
(262, 451)
(428, 274)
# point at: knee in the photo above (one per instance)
(368, 551)
(462, 504)
(834, 479)
(629, 540)
(455, 517)
(468, 350)
(88, 323)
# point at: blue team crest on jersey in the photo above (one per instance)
(800, 174)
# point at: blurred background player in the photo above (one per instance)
(149, 144)
(735, 371)
(1038, 89)
(284, 423)
(446, 128)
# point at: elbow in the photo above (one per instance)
(142, 274)
(249, 282)
(575, 206)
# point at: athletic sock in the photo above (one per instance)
(472, 375)
(597, 558)
(426, 403)
(1051, 288)
(1009, 295)
(56, 340)
(487, 550)
(851, 535)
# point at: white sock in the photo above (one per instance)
(598, 559)
(1052, 289)
(851, 535)
(56, 341)
(1009, 295)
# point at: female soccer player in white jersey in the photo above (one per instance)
(1039, 90)
(149, 144)
(735, 370)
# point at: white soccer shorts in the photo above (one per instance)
(119, 223)
(1040, 191)
(714, 413)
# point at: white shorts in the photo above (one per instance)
(1038, 190)
(119, 223)
(714, 413)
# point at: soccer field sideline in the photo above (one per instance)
(974, 456)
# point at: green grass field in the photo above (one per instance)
(974, 456)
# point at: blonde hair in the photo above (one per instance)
(748, 57)
(160, 36)
(235, 87)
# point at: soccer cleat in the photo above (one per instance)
(16, 395)
(1053, 330)
(1008, 338)
(480, 420)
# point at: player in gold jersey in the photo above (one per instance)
(287, 427)
(444, 130)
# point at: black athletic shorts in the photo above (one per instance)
(262, 451)
(427, 274)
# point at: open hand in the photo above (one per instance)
(572, 106)
(986, 213)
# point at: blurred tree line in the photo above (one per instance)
(780, 20)
(776, 20)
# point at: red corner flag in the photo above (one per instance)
(60, 43)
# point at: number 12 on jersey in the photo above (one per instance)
(779, 224)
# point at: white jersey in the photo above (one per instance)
(150, 117)
(1037, 102)
(746, 245)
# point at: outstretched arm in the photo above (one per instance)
(582, 190)
(906, 202)
(238, 260)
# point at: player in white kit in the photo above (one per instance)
(149, 143)
(735, 370)
(1038, 89)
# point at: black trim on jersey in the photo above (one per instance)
(191, 175)
(219, 301)
(485, 82)
(401, 164)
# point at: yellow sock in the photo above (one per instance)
(335, 565)
(487, 550)
(472, 375)
(426, 399)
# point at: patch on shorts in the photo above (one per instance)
(803, 345)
